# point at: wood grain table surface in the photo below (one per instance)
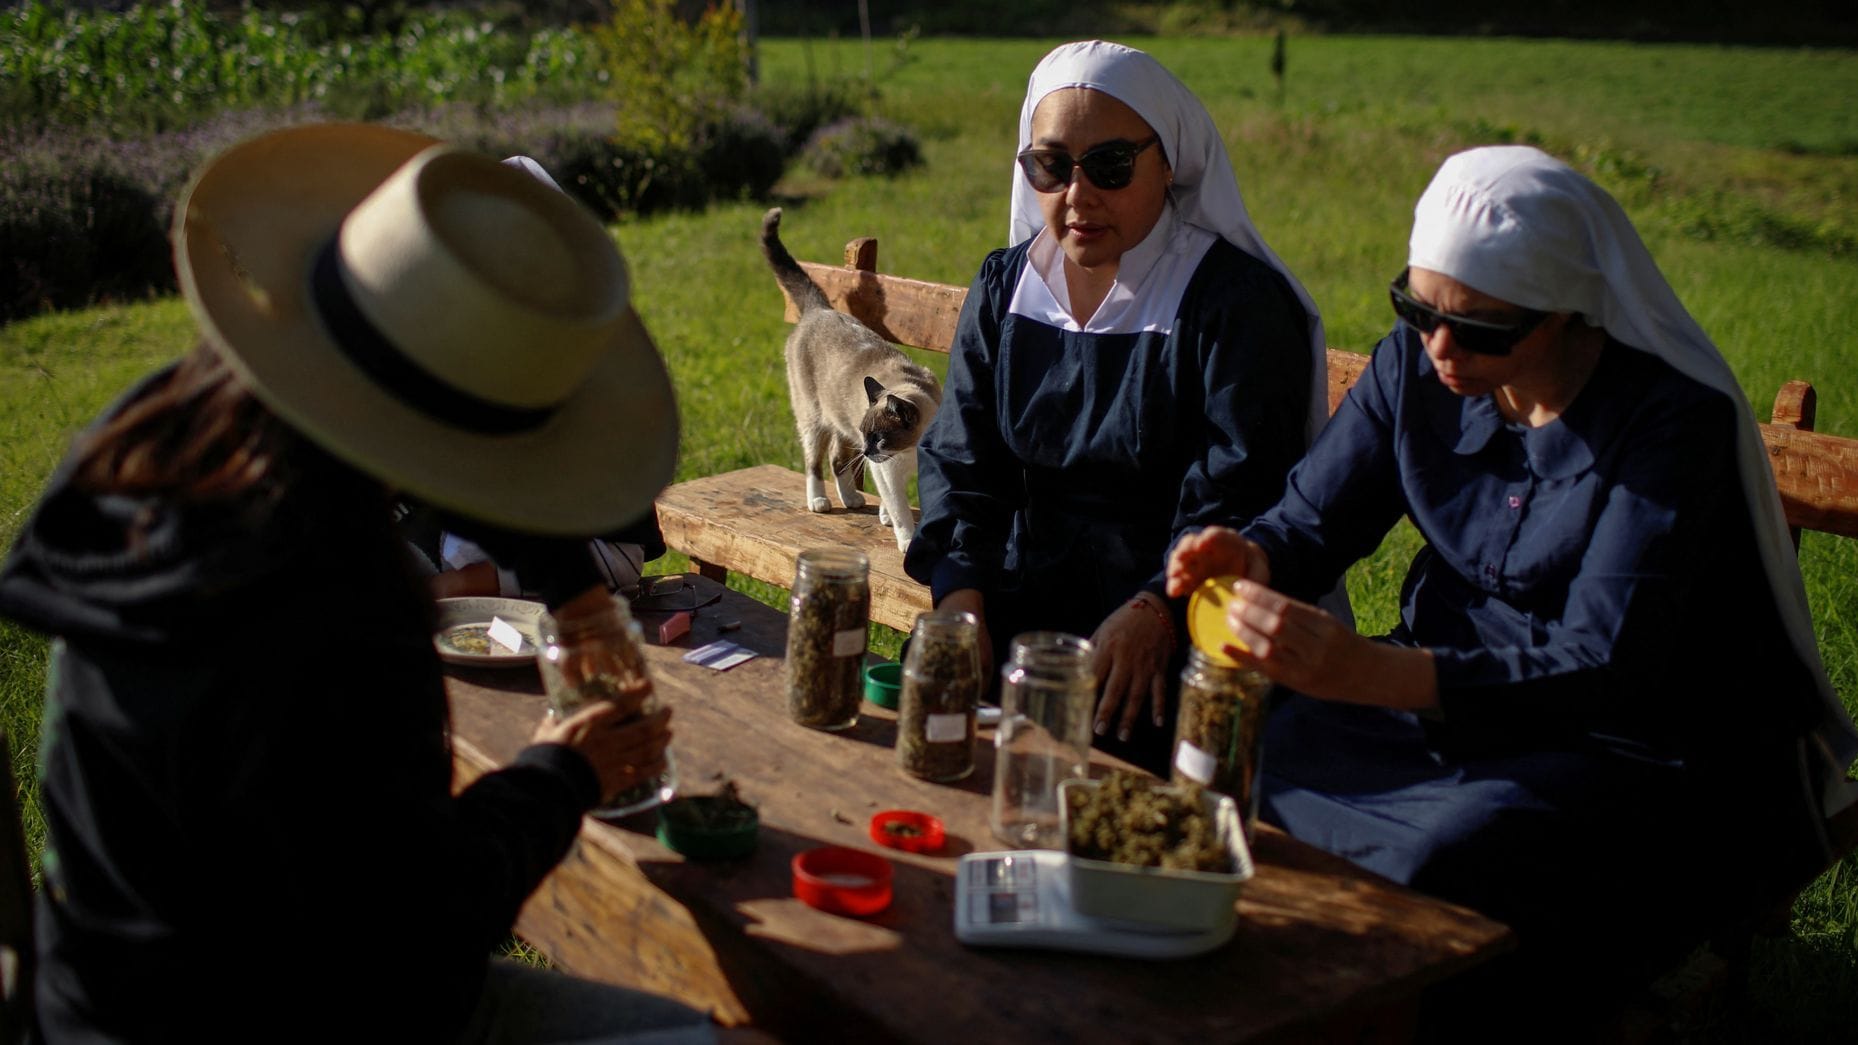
(1323, 949)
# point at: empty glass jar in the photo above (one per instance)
(1047, 693)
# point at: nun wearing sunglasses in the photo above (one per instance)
(1602, 716)
(1136, 363)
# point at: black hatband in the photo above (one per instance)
(365, 346)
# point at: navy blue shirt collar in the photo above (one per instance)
(1560, 449)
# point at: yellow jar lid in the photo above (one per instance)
(1206, 620)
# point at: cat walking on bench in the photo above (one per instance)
(856, 397)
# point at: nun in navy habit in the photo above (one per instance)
(1138, 362)
(1602, 717)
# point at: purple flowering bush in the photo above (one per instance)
(76, 227)
(863, 145)
(84, 216)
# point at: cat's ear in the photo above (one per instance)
(872, 389)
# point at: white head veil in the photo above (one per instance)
(1206, 191)
(1523, 227)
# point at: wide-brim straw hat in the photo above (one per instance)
(445, 323)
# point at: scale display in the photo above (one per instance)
(1022, 899)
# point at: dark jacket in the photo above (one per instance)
(246, 778)
(1062, 464)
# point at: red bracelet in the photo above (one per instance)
(1167, 621)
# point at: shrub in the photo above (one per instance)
(863, 145)
(573, 143)
(741, 154)
(798, 112)
(577, 145)
(76, 224)
(670, 78)
(84, 215)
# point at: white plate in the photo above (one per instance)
(471, 617)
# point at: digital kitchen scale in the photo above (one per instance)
(1022, 899)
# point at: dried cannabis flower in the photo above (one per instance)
(723, 811)
(1130, 819)
(826, 638)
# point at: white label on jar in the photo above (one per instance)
(940, 729)
(1194, 763)
(848, 643)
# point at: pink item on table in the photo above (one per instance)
(675, 627)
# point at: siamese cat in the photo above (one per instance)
(856, 397)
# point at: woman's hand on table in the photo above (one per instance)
(1132, 647)
(1216, 551)
(623, 747)
(970, 600)
(1305, 648)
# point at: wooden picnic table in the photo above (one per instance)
(1323, 948)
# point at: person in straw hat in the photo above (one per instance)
(459, 567)
(246, 776)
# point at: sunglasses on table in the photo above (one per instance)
(1480, 336)
(1109, 166)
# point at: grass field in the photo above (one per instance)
(1739, 167)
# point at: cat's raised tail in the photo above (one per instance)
(793, 279)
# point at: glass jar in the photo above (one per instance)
(941, 686)
(1219, 736)
(1047, 693)
(826, 637)
(597, 653)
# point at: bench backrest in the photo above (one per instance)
(1817, 475)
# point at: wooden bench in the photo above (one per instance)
(752, 520)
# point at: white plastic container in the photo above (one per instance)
(1186, 900)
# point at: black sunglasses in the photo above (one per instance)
(1109, 166)
(1473, 335)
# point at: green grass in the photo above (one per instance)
(1739, 166)
(56, 372)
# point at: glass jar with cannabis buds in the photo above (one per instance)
(831, 609)
(1219, 736)
(596, 652)
(941, 686)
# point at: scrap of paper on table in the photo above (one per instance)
(720, 655)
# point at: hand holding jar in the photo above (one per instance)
(623, 747)
(592, 658)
